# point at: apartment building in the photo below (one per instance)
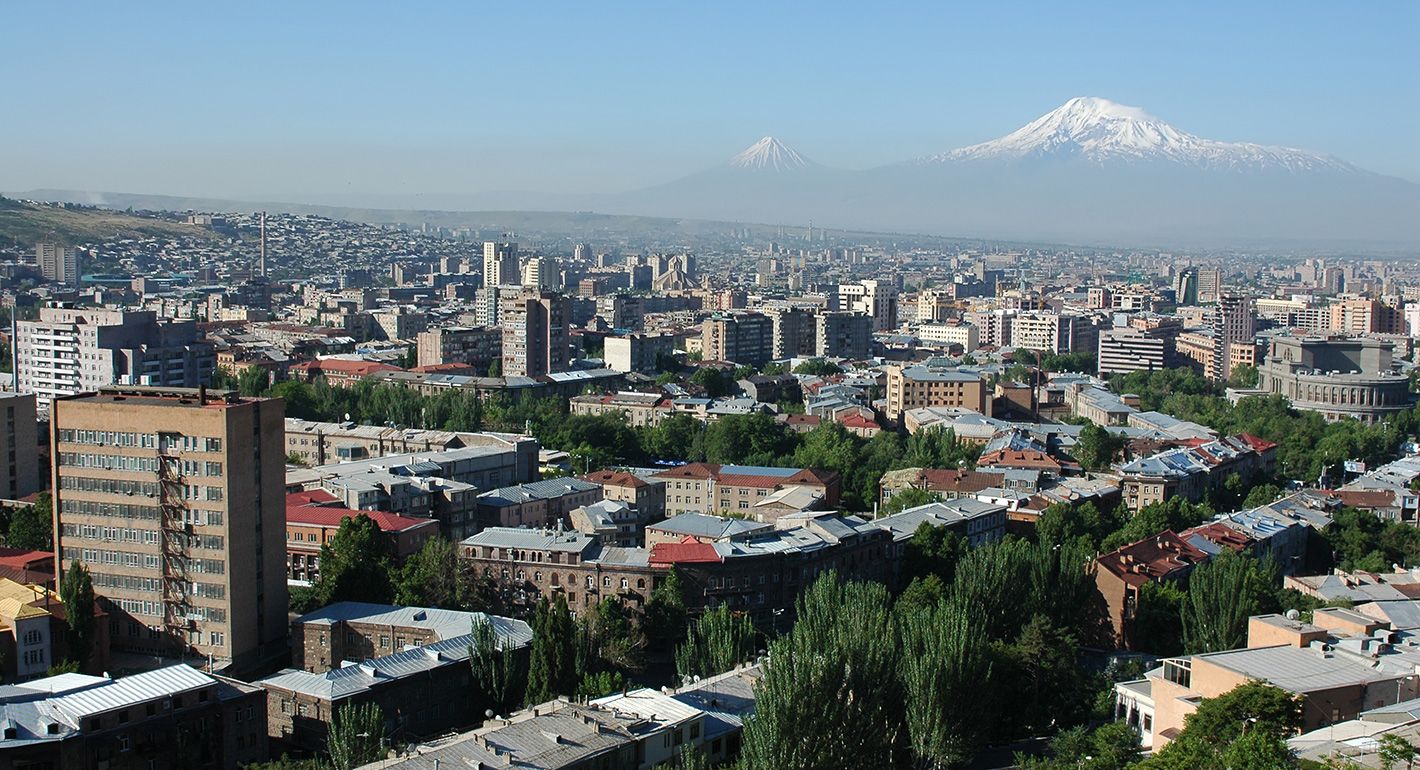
(1193, 472)
(71, 350)
(535, 339)
(323, 639)
(638, 409)
(915, 387)
(320, 443)
(313, 518)
(842, 335)
(1121, 574)
(173, 499)
(947, 335)
(873, 298)
(743, 338)
(476, 346)
(795, 331)
(646, 495)
(148, 720)
(500, 264)
(57, 262)
(711, 488)
(1054, 333)
(1355, 317)
(19, 446)
(637, 352)
(543, 503)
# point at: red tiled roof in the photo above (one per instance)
(1257, 444)
(1366, 498)
(19, 558)
(617, 479)
(859, 421)
(1019, 458)
(343, 366)
(691, 471)
(802, 419)
(319, 516)
(449, 368)
(687, 551)
(1221, 535)
(312, 497)
(1151, 559)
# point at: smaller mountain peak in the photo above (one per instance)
(769, 153)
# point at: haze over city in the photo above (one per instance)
(565, 386)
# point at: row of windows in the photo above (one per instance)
(117, 510)
(199, 517)
(108, 486)
(155, 609)
(104, 556)
(109, 462)
(140, 440)
(126, 582)
(111, 534)
(204, 542)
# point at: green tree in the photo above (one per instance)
(1256, 708)
(497, 672)
(909, 498)
(32, 527)
(841, 657)
(691, 758)
(253, 381)
(552, 668)
(1042, 671)
(1158, 621)
(354, 564)
(1243, 376)
(719, 640)
(356, 737)
(818, 367)
(76, 591)
(945, 666)
(1259, 751)
(1111, 746)
(616, 639)
(921, 593)
(1096, 448)
(1261, 495)
(495, 368)
(715, 382)
(1394, 749)
(434, 576)
(1222, 595)
(931, 551)
(665, 612)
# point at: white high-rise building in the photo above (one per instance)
(500, 264)
(543, 273)
(57, 263)
(72, 350)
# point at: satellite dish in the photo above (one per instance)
(1293, 615)
(347, 417)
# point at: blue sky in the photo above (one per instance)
(281, 99)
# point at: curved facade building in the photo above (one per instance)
(1336, 376)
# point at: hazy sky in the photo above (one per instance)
(288, 98)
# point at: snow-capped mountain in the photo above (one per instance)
(769, 154)
(1102, 131)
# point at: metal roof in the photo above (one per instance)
(131, 690)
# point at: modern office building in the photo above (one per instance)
(543, 274)
(535, 340)
(742, 337)
(174, 500)
(795, 331)
(19, 446)
(1126, 350)
(1054, 333)
(71, 350)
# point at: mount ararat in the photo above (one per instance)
(1089, 172)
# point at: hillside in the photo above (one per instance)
(22, 224)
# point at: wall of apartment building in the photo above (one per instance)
(19, 446)
(425, 703)
(251, 550)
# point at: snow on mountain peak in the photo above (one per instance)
(1100, 130)
(769, 153)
